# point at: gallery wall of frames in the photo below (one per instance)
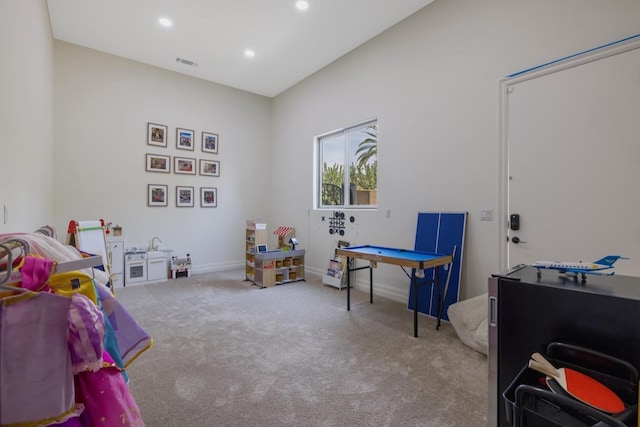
(185, 139)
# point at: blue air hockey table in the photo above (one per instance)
(416, 260)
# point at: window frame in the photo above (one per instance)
(346, 157)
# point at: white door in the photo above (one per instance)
(573, 154)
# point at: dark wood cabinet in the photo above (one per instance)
(526, 313)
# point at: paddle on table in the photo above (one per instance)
(580, 386)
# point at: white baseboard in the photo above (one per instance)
(385, 291)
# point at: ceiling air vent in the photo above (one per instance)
(187, 62)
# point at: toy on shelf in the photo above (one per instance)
(284, 234)
(180, 266)
(574, 269)
(336, 267)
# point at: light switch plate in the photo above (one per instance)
(486, 215)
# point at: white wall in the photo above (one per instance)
(26, 115)
(102, 106)
(432, 81)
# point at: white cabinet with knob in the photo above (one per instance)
(157, 270)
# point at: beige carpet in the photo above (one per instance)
(230, 354)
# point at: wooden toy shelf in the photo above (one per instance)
(256, 234)
(278, 267)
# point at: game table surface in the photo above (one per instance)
(404, 257)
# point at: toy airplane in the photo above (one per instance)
(575, 268)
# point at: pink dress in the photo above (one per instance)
(106, 397)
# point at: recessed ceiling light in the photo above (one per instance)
(249, 53)
(302, 5)
(165, 22)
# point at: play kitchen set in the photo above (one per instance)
(562, 352)
(154, 264)
(267, 267)
(130, 264)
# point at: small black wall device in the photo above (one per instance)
(514, 222)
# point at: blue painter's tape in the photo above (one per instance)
(528, 70)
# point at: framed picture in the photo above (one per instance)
(209, 142)
(156, 163)
(184, 197)
(156, 134)
(157, 195)
(184, 165)
(184, 139)
(209, 167)
(208, 197)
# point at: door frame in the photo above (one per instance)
(506, 86)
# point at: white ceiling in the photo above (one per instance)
(289, 44)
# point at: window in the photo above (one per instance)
(347, 168)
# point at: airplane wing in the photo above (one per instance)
(602, 273)
(593, 273)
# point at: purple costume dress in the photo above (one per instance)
(36, 378)
(46, 342)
